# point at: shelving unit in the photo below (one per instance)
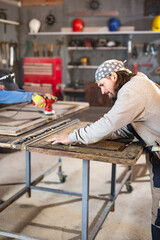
(79, 71)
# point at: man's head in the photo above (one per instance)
(108, 67)
(108, 74)
(7, 80)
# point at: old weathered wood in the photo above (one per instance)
(107, 155)
(106, 151)
(18, 119)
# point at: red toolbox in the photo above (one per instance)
(43, 70)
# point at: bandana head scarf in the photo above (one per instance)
(108, 67)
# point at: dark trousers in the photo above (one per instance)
(154, 170)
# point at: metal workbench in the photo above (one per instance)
(114, 152)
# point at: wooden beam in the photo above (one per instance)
(91, 14)
(41, 2)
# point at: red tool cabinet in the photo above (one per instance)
(43, 70)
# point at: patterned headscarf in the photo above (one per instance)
(109, 66)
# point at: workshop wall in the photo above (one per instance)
(9, 35)
(131, 13)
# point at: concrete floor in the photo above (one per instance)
(58, 217)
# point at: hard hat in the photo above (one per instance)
(77, 25)
(34, 25)
(113, 24)
(156, 23)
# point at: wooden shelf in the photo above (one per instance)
(9, 22)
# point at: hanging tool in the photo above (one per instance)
(134, 52)
(29, 45)
(146, 48)
(36, 50)
(3, 16)
(43, 50)
(3, 55)
(60, 43)
(50, 49)
(11, 53)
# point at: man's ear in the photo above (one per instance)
(114, 76)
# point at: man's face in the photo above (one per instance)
(107, 85)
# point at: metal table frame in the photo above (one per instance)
(85, 233)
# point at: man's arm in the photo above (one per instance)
(9, 97)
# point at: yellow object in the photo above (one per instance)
(155, 149)
(84, 61)
(39, 101)
(156, 23)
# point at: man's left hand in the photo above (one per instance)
(62, 139)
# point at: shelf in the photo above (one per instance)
(97, 48)
(94, 33)
(9, 22)
(82, 66)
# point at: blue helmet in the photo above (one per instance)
(113, 24)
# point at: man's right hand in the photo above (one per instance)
(38, 100)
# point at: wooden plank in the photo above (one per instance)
(12, 118)
(41, 2)
(17, 119)
(17, 130)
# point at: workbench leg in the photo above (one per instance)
(28, 172)
(61, 176)
(128, 182)
(113, 184)
(85, 199)
(113, 181)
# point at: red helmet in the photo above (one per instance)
(77, 25)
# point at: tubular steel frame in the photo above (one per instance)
(85, 234)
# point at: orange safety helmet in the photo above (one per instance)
(77, 25)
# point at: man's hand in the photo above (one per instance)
(62, 139)
(38, 100)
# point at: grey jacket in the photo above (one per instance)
(138, 103)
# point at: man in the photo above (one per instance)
(137, 109)
(10, 93)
